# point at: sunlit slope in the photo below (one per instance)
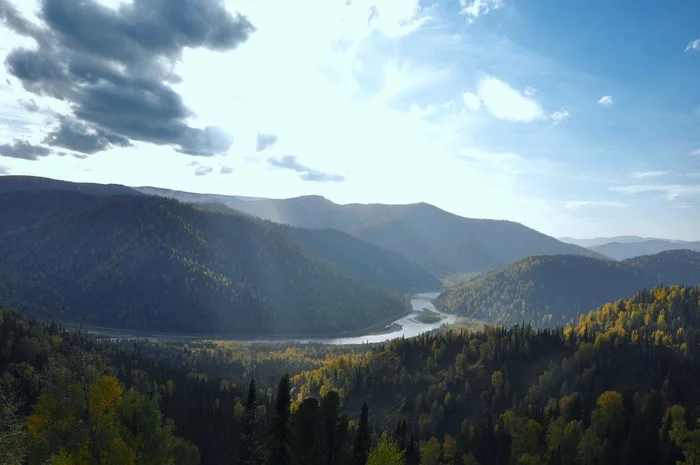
(552, 290)
(440, 241)
(155, 264)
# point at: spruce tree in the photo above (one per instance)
(362, 439)
(249, 450)
(278, 449)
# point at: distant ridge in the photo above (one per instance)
(553, 290)
(440, 241)
(622, 251)
(12, 183)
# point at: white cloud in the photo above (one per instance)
(559, 116)
(471, 101)
(670, 191)
(530, 91)
(693, 46)
(649, 174)
(506, 103)
(695, 153)
(605, 100)
(575, 204)
(472, 9)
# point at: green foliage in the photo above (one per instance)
(619, 387)
(386, 452)
(13, 437)
(547, 291)
(146, 263)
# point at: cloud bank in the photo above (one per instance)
(115, 68)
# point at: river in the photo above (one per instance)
(409, 327)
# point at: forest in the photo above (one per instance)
(617, 387)
(149, 263)
(553, 290)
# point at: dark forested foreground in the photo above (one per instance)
(554, 290)
(619, 387)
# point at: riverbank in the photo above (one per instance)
(403, 325)
(387, 325)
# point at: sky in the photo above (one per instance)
(576, 118)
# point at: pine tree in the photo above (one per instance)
(305, 447)
(249, 450)
(362, 438)
(279, 433)
(412, 456)
(328, 423)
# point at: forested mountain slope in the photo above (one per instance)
(13, 183)
(440, 241)
(619, 387)
(381, 267)
(378, 266)
(155, 264)
(553, 290)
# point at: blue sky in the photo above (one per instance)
(574, 118)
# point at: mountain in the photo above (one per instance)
(604, 240)
(553, 290)
(13, 184)
(155, 264)
(442, 242)
(622, 251)
(383, 268)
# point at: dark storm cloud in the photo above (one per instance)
(264, 141)
(115, 67)
(76, 135)
(226, 170)
(24, 150)
(289, 162)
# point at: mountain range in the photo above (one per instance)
(441, 242)
(149, 263)
(554, 290)
(622, 250)
(624, 247)
(168, 261)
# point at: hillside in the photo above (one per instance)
(553, 290)
(381, 267)
(619, 387)
(443, 243)
(13, 183)
(600, 391)
(154, 264)
(622, 251)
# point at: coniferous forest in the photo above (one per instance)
(618, 387)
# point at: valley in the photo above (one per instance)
(508, 347)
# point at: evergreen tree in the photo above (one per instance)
(362, 438)
(278, 449)
(249, 453)
(304, 447)
(330, 406)
(412, 456)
